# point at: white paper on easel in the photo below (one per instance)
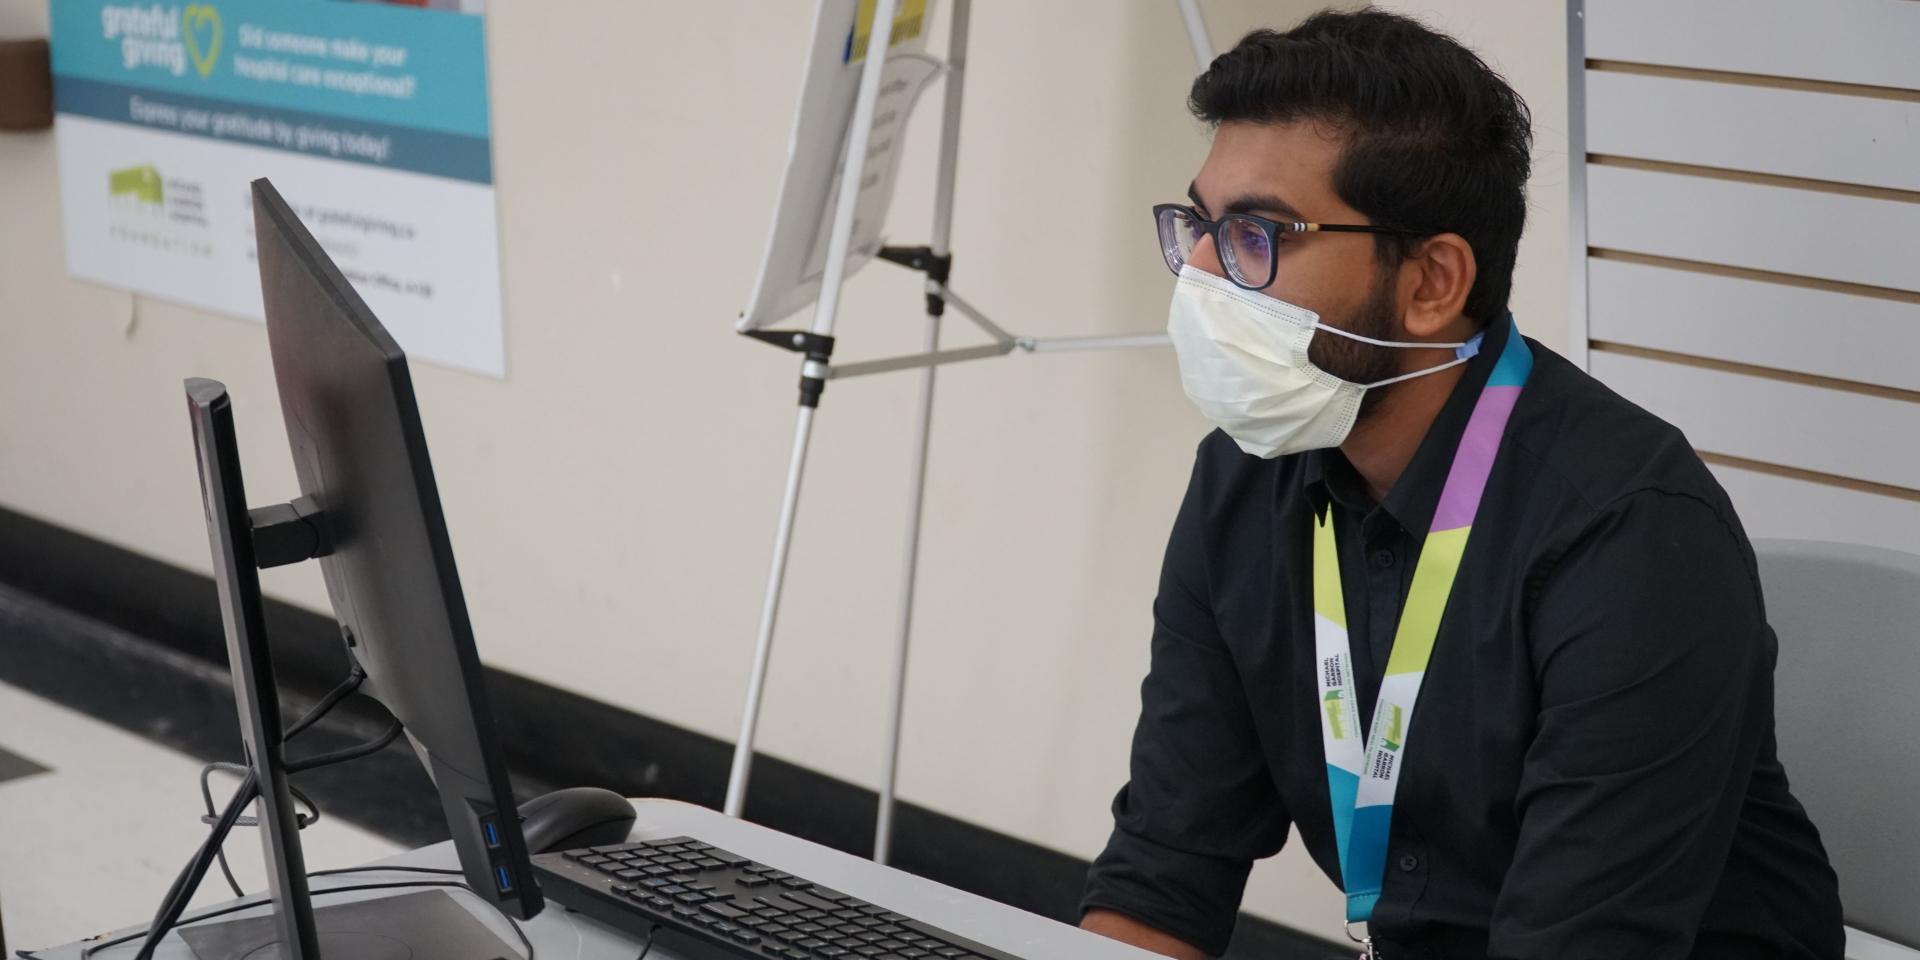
(795, 264)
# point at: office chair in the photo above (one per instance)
(1848, 619)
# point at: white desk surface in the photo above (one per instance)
(559, 935)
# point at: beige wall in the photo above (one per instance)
(613, 500)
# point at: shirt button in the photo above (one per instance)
(1409, 863)
(1383, 558)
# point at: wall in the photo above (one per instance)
(613, 500)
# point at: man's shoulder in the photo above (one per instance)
(1599, 447)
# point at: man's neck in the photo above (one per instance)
(1385, 440)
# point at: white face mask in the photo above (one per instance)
(1243, 362)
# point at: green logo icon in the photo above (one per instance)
(1334, 714)
(200, 23)
(1394, 736)
(137, 183)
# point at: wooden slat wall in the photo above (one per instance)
(1751, 214)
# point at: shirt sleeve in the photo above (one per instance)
(1655, 671)
(1201, 805)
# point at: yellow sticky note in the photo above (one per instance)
(908, 21)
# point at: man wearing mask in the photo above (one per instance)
(1410, 505)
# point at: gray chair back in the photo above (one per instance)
(1847, 709)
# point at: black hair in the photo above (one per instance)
(1432, 139)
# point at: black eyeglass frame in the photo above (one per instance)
(1273, 229)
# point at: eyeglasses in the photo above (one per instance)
(1245, 243)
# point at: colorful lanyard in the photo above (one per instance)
(1361, 780)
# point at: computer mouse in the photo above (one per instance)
(575, 817)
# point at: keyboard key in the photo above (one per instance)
(774, 950)
(659, 903)
(868, 950)
(610, 848)
(913, 953)
(724, 910)
(808, 901)
(744, 936)
(950, 952)
(704, 920)
(834, 895)
(811, 928)
(910, 936)
(890, 945)
(870, 937)
(751, 880)
(832, 952)
(795, 883)
(810, 943)
(628, 875)
(709, 864)
(751, 920)
(733, 860)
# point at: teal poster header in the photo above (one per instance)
(390, 67)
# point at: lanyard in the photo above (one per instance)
(1361, 778)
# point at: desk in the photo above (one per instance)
(559, 935)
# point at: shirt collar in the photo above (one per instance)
(1327, 476)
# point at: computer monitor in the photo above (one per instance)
(368, 491)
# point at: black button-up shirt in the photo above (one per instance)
(1590, 772)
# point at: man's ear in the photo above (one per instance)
(1434, 283)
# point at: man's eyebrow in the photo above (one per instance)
(1263, 203)
(1255, 203)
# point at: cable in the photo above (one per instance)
(184, 885)
(432, 870)
(86, 953)
(302, 821)
(391, 734)
(649, 947)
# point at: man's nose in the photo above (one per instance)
(1206, 257)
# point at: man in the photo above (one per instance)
(1409, 504)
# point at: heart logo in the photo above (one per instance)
(197, 19)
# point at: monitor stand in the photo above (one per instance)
(428, 925)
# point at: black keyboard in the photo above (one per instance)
(707, 903)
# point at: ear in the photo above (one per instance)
(1434, 283)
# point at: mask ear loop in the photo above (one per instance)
(1463, 352)
(1398, 345)
(1416, 373)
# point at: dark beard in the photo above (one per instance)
(1363, 363)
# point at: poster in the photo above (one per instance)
(370, 117)
(796, 258)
